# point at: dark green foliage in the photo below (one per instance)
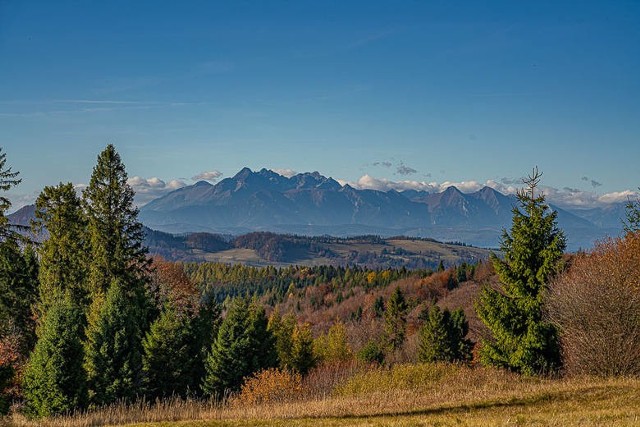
(63, 255)
(55, 381)
(8, 179)
(262, 352)
(168, 359)
(282, 329)
(18, 291)
(115, 235)
(372, 352)
(442, 337)
(302, 357)
(113, 353)
(521, 340)
(395, 319)
(632, 222)
(243, 346)
(378, 307)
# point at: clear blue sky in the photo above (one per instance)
(435, 90)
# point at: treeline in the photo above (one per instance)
(222, 281)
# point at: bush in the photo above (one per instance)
(596, 307)
(372, 352)
(270, 385)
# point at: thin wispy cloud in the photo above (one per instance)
(404, 170)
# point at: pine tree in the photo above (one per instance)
(115, 235)
(282, 329)
(18, 291)
(63, 255)
(242, 347)
(442, 337)
(302, 357)
(113, 350)
(521, 339)
(395, 319)
(55, 381)
(8, 179)
(167, 361)
(229, 359)
(263, 344)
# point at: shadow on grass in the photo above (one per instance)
(468, 407)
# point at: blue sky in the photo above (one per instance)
(373, 93)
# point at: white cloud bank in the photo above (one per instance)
(211, 176)
(565, 197)
(148, 189)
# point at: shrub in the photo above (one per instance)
(270, 385)
(596, 307)
(372, 352)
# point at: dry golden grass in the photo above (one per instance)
(407, 395)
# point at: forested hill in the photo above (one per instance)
(262, 249)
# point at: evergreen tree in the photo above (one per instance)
(55, 381)
(168, 361)
(113, 359)
(632, 221)
(442, 337)
(395, 319)
(228, 361)
(333, 347)
(282, 329)
(63, 255)
(521, 339)
(115, 235)
(263, 344)
(18, 291)
(302, 357)
(8, 179)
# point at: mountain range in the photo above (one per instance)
(312, 204)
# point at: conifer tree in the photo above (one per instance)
(115, 235)
(229, 359)
(242, 347)
(8, 179)
(302, 357)
(395, 319)
(113, 353)
(55, 381)
(263, 352)
(521, 339)
(63, 255)
(168, 361)
(282, 329)
(442, 337)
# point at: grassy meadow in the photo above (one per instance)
(404, 395)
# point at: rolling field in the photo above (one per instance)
(405, 395)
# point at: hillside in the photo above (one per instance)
(262, 249)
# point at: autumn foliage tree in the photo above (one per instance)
(596, 307)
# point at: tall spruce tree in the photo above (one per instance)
(521, 340)
(167, 361)
(55, 381)
(242, 347)
(63, 255)
(115, 235)
(113, 348)
(395, 319)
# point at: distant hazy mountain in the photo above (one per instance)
(309, 203)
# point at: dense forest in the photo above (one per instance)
(88, 318)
